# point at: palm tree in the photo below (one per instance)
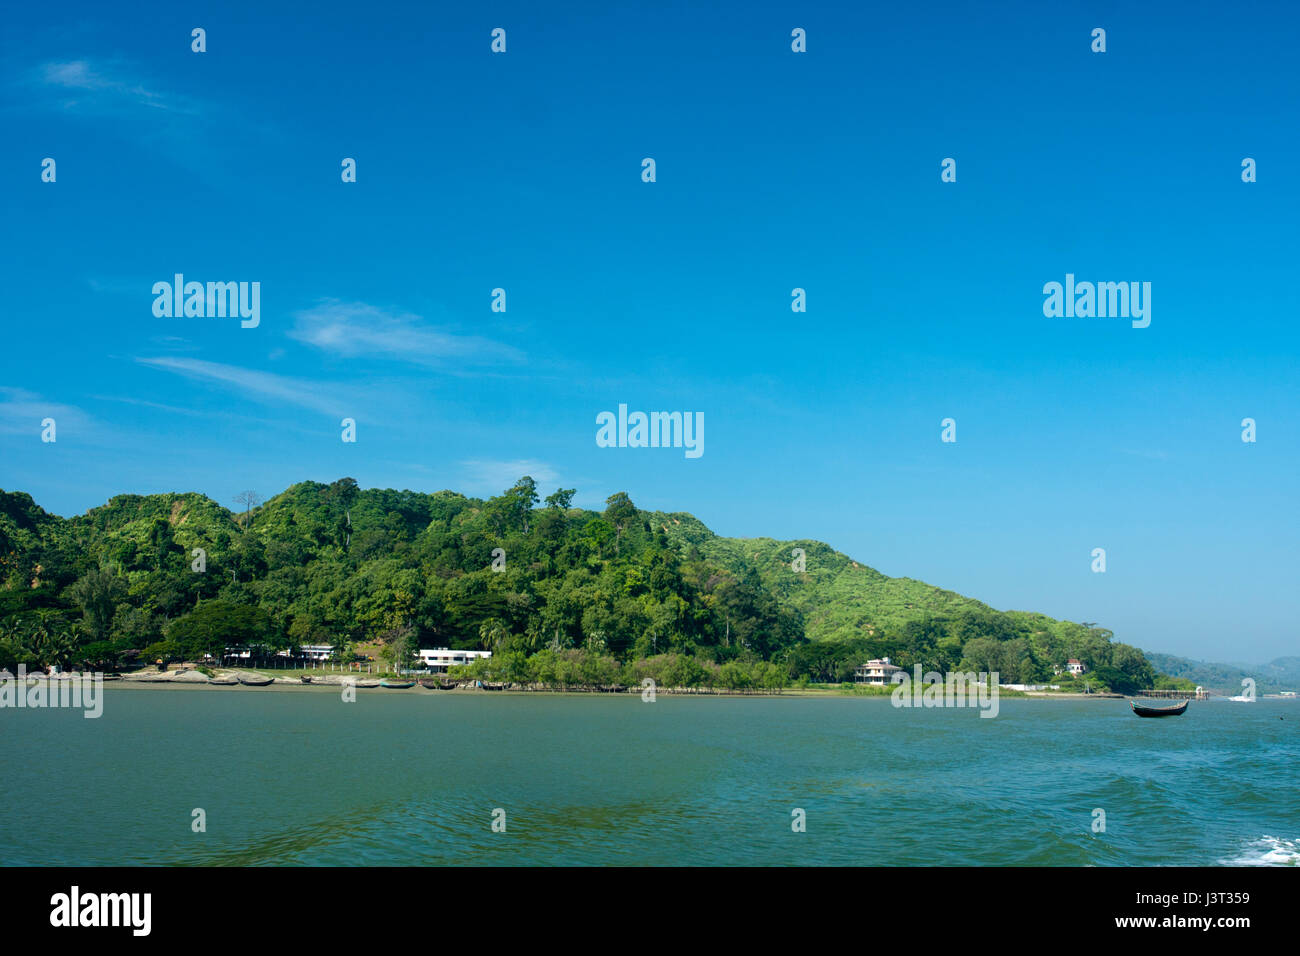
(63, 647)
(11, 632)
(37, 640)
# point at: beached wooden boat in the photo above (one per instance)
(366, 683)
(306, 678)
(254, 680)
(1145, 710)
(224, 681)
(428, 684)
(396, 684)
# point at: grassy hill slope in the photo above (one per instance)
(334, 563)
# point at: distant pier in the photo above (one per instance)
(1199, 694)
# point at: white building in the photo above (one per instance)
(876, 671)
(440, 658)
(1076, 667)
(310, 652)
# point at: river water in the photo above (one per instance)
(299, 777)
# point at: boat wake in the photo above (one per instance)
(1268, 851)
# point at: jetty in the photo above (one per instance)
(1199, 694)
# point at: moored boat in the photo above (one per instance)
(396, 684)
(255, 680)
(1145, 710)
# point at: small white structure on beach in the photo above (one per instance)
(440, 658)
(309, 652)
(876, 671)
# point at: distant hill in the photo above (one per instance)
(840, 598)
(338, 564)
(1281, 674)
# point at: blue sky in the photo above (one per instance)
(775, 170)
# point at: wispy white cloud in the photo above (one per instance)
(143, 403)
(494, 477)
(330, 398)
(219, 414)
(88, 83)
(21, 412)
(148, 111)
(358, 329)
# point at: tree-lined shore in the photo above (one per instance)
(549, 588)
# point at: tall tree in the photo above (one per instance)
(250, 500)
(562, 499)
(620, 512)
(97, 593)
(524, 495)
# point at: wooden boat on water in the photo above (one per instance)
(1145, 710)
(255, 680)
(396, 684)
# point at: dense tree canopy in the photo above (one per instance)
(517, 574)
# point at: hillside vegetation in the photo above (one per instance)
(1278, 675)
(177, 575)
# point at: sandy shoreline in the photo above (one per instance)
(192, 679)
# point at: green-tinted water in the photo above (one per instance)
(413, 777)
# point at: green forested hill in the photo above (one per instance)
(1278, 675)
(838, 597)
(335, 564)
